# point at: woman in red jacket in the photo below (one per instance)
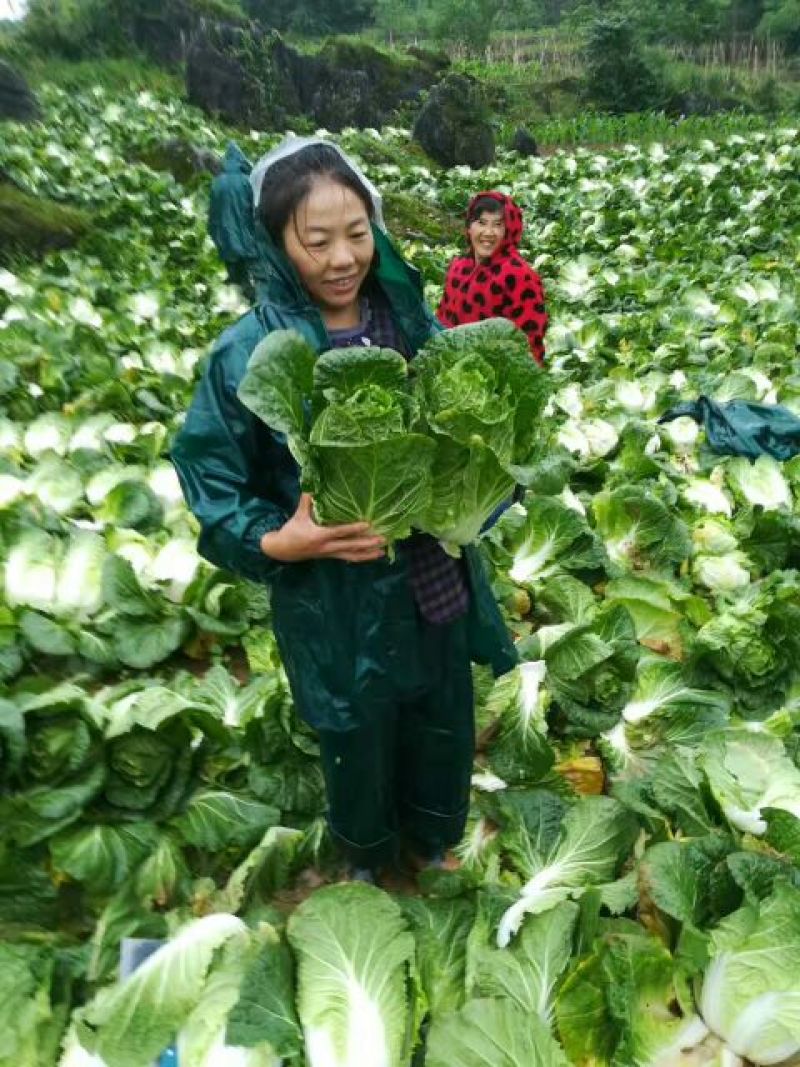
(493, 280)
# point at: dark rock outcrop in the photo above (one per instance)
(454, 125)
(344, 99)
(162, 37)
(241, 77)
(163, 29)
(17, 102)
(250, 77)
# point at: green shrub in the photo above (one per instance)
(410, 218)
(115, 75)
(781, 22)
(466, 22)
(768, 96)
(620, 76)
(313, 18)
(75, 29)
(694, 90)
(83, 29)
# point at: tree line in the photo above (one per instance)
(470, 22)
(466, 23)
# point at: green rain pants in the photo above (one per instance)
(405, 768)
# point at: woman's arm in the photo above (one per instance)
(526, 307)
(218, 454)
(215, 456)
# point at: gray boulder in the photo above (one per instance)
(17, 102)
(454, 124)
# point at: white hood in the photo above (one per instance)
(290, 145)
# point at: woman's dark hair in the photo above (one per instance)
(484, 205)
(289, 181)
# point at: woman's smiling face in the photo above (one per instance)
(486, 233)
(329, 241)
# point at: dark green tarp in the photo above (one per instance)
(741, 428)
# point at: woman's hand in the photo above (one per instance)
(301, 538)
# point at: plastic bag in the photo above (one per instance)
(740, 428)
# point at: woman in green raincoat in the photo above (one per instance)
(377, 653)
(231, 224)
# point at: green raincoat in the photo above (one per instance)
(231, 222)
(389, 694)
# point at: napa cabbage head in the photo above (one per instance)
(707, 495)
(480, 397)
(760, 482)
(639, 529)
(664, 712)
(722, 573)
(639, 1003)
(662, 687)
(588, 438)
(750, 994)
(519, 702)
(749, 772)
(60, 577)
(351, 423)
(469, 398)
(479, 380)
(713, 537)
(545, 537)
(50, 432)
(366, 459)
(682, 434)
(749, 640)
(61, 767)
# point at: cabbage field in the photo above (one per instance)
(629, 887)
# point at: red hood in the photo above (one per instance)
(512, 217)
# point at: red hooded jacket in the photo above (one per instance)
(504, 287)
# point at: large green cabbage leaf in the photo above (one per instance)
(527, 971)
(354, 955)
(492, 1033)
(595, 837)
(628, 1005)
(133, 1022)
(441, 929)
(32, 1016)
(749, 772)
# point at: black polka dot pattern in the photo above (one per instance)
(507, 286)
